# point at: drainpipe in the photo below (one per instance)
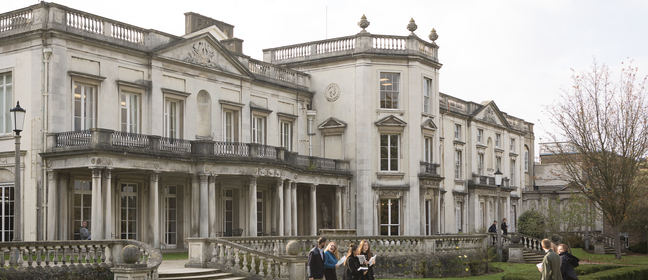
(47, 53)
(310, 114)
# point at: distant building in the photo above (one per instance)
(157, 137)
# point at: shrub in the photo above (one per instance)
(639, 248)
(531, 223)
(575, 241)
(589, 269)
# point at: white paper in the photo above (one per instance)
(372, 261)
(362, 259)
(539, 266)
(362, 268)
(341, 261)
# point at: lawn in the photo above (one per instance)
(175, 256)
(506, 267)
(625, 260)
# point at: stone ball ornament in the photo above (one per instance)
(292, 248)
(130, 254)
(515, 239)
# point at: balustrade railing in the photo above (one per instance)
(131, 140)
(272, 71)
(429, 168)
(231, 149)
(175, 145)
(315, 163)
(73, 138)
(383, 42)
(530, 243)
(73, 255)
(85, 22)
(16, 20)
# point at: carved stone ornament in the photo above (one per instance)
(332, 92)
(489, 115)
(203, 54)
(412, 26)
(433, 35)
(364, 23)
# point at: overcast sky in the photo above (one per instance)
(518, 53)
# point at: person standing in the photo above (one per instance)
(366, 251)
(493, 229)
(84, 232)
(504, 227)
(315, 265)
(550, 268)
(331, 257)
(352, 264)
(567, 263)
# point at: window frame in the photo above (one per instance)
(428, 149)
(180, 112)
(134, 230)
(457, 132)
(526, 159)
(130, 91)
(6, 126)
(457, 164)
(480, 135)
(389, 158)
(83, 84)
(427, 95)
(286, 138)
(512, 145)
(480, 164)
(256, 120)
(512, 171)
(395, 101)
(390, 224)
(7, 212)
(167, 219)
(498, 140)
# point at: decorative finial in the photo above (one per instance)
(433, 35)
(412, 26)
(364, 23)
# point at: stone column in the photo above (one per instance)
(154, 210)
(52, 204)
(212, 207)
(195, 205)
(313, 210)
(280, 207)
(253, 207)
(338, 206)
(293, 187)
(288, 210)
(63, 216)
(108, 204)
(96, 227)
(204, 207)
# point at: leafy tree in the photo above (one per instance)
(532, 223)
(604, 127)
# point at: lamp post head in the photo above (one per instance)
(498, 178)
(18, 118)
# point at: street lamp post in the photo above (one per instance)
(18, 120)
(498, 182)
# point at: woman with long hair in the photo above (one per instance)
(365, 249)
(331, 257)
(352, 264)
(567, 263)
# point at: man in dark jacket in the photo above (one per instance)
(493, 229)
(315, 265)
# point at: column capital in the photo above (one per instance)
(313, 187)
(253, 180)
(52, 174)
(280, 182)
(96, 172)
(107, 173)
(155, 177)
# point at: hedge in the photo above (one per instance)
(586, 272)
(594, 268)
(624, 273)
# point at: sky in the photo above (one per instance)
(517, 53)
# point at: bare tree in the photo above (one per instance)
(604, 127)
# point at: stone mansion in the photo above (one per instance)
(158, 137)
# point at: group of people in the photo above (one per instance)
(558, 263)
(322, 263)
(493, 228)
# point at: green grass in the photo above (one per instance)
(506, 267)
(175, 256)
(625, 260)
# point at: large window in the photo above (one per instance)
(228, 212)
(498, 138)
(130, 111)
(428, 217)
(427, 150)
(128, 211)
(170, 216)
(6, 212)
(258, 129)
(389, 152)
(458, 164)
(286, 135)
(526, 158)
(457, 132)
(85, 96)
(480, 135)
(173, 118)
(480, 164)
(230, 126)
(82, 205)
(512, 171)
(389, 217)
(427, 93)
(389, 90)
(6, 92)
(498, 163)
(512, 150)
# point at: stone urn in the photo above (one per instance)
(515, 239)
(292, 248)
(130, 254)
(599, 239)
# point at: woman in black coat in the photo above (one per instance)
(351, 264)
(365, 249)
(567, 263)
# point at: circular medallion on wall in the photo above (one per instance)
(332, 92)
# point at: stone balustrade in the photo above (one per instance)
(360, 43)
(37, 258)
(98, 138)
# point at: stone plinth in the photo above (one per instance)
(516, 255)
(599, 249)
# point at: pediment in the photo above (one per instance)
(491, 114)
(332, 126)
(429, 125)
(391, 124)
(203, 50)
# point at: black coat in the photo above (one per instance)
(351, 266)
(567, 264)
(315, 264)
(370, 272)
(492, 228)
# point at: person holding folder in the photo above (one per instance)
(331, 257)
(352, 268)
(365, 249)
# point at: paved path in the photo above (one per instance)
(175, 266)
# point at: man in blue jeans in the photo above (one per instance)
(315, 264)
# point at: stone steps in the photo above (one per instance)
(197, 274)
(532, 257)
